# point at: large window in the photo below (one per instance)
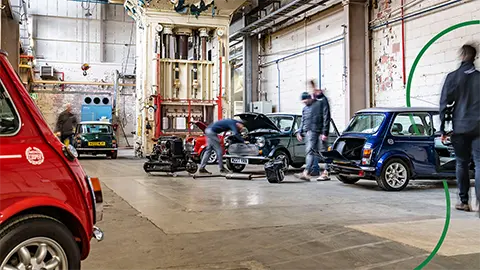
(9, 120)
(412, 124)
(366, 123)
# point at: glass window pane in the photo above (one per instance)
(412, 124)
(9, 120)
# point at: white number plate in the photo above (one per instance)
(239, 161)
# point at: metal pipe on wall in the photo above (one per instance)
(203, 37)
(278, 90)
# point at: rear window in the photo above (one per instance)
(366, 123)
(96, 128)
(9, 120)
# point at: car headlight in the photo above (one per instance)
(260, 142)
(70, 152)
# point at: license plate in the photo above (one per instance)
(96, 143)
(239, 161)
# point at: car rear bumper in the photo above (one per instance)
(353, 171)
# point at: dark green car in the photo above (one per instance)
(94, 138)
(269, 136)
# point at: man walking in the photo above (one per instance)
(213, 142)
(318, 133)
(66, 124)
(305, 127)
(462, 91)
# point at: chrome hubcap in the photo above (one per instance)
(39, 253)
(396, 175)
(213, 157)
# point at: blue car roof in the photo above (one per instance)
(399, 109)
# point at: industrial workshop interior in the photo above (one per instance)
(239, 134)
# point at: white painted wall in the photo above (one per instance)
(62, 32)
(442, 57)
(295, 72)
(65, 39)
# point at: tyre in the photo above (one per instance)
(395, 175)
(212, 159)
(114, 155)
(347, 180)
(280, 154)
(297, 165)
(39, 240)
(191, 167)
(235, 167)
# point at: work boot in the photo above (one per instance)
(203, 171)
(463, 207)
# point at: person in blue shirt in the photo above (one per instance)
(213, 141)
(304, 128)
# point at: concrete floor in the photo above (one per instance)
(161, 222)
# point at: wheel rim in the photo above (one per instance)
(396, 175)
(213, 157)
(285, 160)
(39, 253)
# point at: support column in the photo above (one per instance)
(250, 70)
(356, 40)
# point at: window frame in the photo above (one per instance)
(15, 110)
(429, 115)
(283, 116)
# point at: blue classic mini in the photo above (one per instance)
(392, 146)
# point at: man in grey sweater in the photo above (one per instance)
(66, 124)
(318, 134)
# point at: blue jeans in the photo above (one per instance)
(465, 145)
(313, 147)
(213, 144)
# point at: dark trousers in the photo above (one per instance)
(63, 137)
(465, 146)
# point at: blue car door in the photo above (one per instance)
(412, 135)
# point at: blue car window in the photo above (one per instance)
(412, 124)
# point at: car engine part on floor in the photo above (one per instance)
(274, 170)
(170, 155)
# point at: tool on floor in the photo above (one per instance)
(233, 176)
(196, 176)
(274, 169)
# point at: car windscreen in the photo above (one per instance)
(283, 122)
(367, 123)
(96, 128)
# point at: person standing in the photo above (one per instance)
(318, 134)
(305, 127)
(213, 141)
(66, 124)
(461, 98)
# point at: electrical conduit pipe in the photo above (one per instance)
(278, 86)
(158, 99)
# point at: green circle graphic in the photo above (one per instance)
(408, 88)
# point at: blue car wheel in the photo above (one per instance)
(395, 175)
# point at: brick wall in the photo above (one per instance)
(441, 58)
(295, 72)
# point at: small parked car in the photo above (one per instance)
(95, 137)
(48, 206)
(269, 136)
(392, 146)
(200, 144)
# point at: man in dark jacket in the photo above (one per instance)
(213, 141)
(462, 91)
(305, 127)
(318, 134)
(66, 124)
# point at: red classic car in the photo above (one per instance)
(200, 144)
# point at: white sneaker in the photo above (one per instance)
(323, 177)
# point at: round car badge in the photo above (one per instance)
(34, 155)
(390, 141)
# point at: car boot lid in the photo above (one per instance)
(255, 121)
